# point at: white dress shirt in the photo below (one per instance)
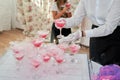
(102, 13)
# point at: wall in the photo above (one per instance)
(7, 14)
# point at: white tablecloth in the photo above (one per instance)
(71, 70)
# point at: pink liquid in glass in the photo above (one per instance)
(15, 51)
(68, 5)
(46, 58)
(42, 34)
(19, 56)
(59, 59)
(37, 43)
(35, 63)
(64, 47)
(74, 48)
(59, 23)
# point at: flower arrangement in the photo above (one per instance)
(109, 72)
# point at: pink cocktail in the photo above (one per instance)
(59, 59)
(64, 47)
(35, 63)
(68, 5)
(18, 57)
(74, 48)
(17, 49)
(37, 43)
(43, 34)
(60, 23)
(18, 52)
(46, 58)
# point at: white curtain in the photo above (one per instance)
(7, 14)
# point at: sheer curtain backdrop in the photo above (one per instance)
(7, 14)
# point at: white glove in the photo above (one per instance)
(71, 37)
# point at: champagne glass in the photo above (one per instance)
(37, 43)
(59, 59)
(54, 50)
(60, 23)
(68, 5)
(46, 58)
(19, 57)
(18, 53)
(43, 33)
(63, 46)
(74, 48)
(35, 63)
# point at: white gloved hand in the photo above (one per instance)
(71, 37)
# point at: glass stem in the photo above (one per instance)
(60, 31)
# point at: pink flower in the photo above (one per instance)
(109, 72)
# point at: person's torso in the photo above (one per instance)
(55, 8)
(97, 10)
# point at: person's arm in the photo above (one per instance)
(57, 15)
(77, 16)
(112, 22)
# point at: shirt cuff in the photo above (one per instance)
(89, 33)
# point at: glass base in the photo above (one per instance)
(60, 36)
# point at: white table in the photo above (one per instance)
(71, 71)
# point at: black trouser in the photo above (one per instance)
(106, 50)
(55, 32)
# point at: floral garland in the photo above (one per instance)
(109, 72)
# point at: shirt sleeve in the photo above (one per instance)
(77, 16)
(112, 21)
(54, 7)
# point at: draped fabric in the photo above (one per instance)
(7, 14)
(34, 15)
